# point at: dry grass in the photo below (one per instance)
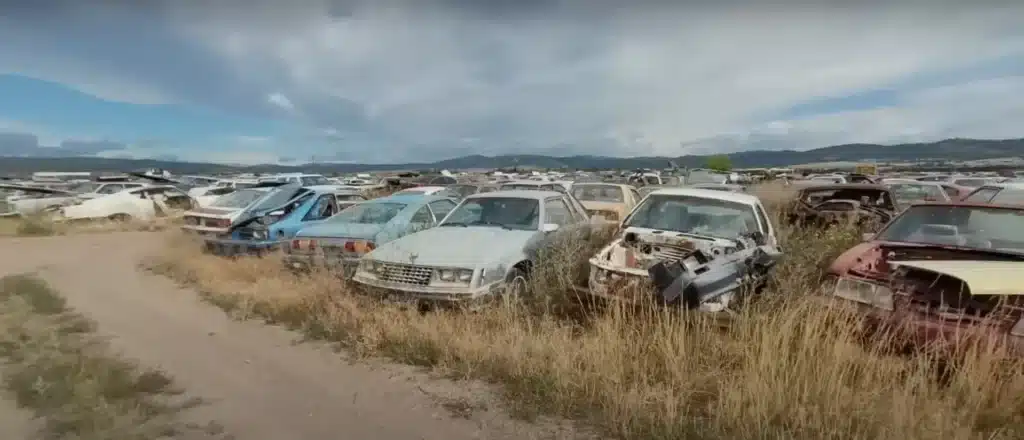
(38, 227)
(54, 365)
(785, 367)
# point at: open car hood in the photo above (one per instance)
(982, 277)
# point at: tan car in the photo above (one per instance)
(612, 201)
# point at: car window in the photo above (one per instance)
(636, 195)
(441, 208)
(422, 216)
(1009, 197)
(982, 195)
(110, 188)
(555, 211)
(952, 192)
(324, 207)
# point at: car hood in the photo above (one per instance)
(363, 231)
(454, 246)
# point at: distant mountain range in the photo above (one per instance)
(946, 150)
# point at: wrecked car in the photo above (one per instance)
(940, 273)
(609, 201)
(483, 248)
(143, 203)
(219, 216)
(29, 200)
(339, 242)
(699, 248)
(266, 230)
(909, 191)
(866, 205)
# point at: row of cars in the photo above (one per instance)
(425, 247)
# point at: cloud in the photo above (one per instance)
(396, 81)
(28, 145)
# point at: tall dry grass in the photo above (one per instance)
(41, 227)
(784, 368)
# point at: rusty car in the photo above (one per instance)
(864, 204)
(610, 201)
(939, 273)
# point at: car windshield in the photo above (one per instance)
(238, 199)
(907, 193)
(369, 213)
(85, 187)
(505, 212)
(280, 196)
(694, 215)
(598, 193)
(963, 226)
(315, 180)
(973, 183)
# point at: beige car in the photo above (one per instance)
(612, 201)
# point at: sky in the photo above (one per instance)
(394, 81)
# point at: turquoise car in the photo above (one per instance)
(264, 230)
(338, 243)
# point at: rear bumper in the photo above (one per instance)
(307, 262)
(231, 248)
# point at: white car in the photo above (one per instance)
(670, 224)
(142, 203)
(483, 247)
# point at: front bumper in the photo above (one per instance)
(919, 332)
(441, 296)
(204, 231)
(233, 248)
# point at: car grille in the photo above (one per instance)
(406, 274)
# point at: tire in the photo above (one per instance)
(120, 218)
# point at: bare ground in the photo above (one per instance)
(258, 382)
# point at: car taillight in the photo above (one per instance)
(350, 246)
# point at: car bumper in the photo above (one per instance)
(234, 248)
(430, 295)
(307, 262)
(919, 332)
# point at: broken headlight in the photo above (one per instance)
(259, 234)
(864, 293)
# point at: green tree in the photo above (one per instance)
(719, 163)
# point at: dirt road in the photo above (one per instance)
(260, 384)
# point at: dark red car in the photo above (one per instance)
(941, 272)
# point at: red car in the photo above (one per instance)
(941, 272)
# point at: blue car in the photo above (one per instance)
(264, 231)
(338, 243)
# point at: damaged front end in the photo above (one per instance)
(696, 272)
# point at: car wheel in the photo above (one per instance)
(120, 218)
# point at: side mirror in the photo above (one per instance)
(867, 236)
(549, 227)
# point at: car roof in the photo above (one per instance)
(728, 196)
(517, 194)
(877, 186)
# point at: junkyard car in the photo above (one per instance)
(265, 232)
(484, 247)
(21, 200)
(423, 190)
(144, 203)
(609, 201)
(712, 244)
(868, 205)
(219, 216)
(339, 242)
(941, 273)
(909, 191)
(462, 190)
(721, 187)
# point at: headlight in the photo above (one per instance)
(446, 275)
(465, 275)
(259, 234)
(864, 293)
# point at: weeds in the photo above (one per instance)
(41, 227)
(55, 366)
(784, 367)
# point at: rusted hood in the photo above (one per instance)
(982, 277)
